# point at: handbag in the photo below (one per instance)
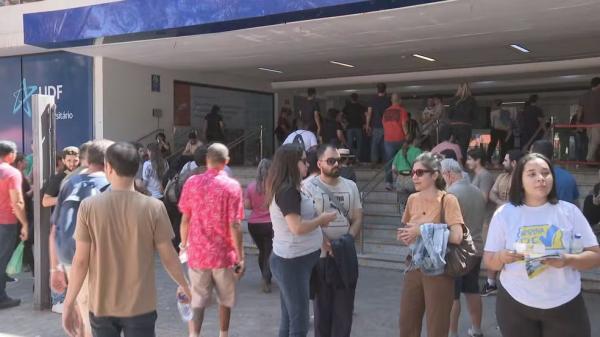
(461, 258)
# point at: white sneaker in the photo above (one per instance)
(58, 308)
(471, 333)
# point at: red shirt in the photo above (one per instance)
(393, 118)
(10, 179)
(213, 202)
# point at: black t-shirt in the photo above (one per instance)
(464, 111)
(213, 127)
(307, 111)
(379, 104)
(530, 122)
(329, 131)
(288, 199)
(53, 185)
(355, 115)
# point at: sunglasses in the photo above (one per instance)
(332, 161)
(419, 172)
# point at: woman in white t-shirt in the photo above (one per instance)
(297, 236)
(154, 170)
(540, 298)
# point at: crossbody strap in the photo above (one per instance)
(442, 210)
(317, 182)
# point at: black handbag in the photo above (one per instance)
(461, 258)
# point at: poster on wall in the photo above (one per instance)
(69, 78)
(11, 125)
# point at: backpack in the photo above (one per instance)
(175, 185)
(66, 216)
(299, 140)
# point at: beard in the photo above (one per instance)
(333, 173)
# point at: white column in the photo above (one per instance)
(98, 126)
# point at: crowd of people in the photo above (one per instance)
(114, 205)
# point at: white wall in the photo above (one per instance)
(11, 19)
(128, 100)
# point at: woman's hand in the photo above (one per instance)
(506, 256)
(561, 262)
(326, 217)
(408, 234)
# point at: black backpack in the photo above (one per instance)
(299, 140)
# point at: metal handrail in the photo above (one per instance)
(366, 192)
(152, 133)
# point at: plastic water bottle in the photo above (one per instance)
(185, 310)
(576, 244)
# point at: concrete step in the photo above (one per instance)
(381, 196)
(390, 219)
(379, 232)
(384, 246)
(385, 208)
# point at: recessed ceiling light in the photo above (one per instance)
(350, 90)
(342, 64)
(271, 70)
(517, 102)
(520, 48)
(424, 57)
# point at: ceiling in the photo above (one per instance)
(458, 34)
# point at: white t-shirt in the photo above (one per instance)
(347, 194)
(551, 287)
(308, 138)
(153, 182)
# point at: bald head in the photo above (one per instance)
(217, 155)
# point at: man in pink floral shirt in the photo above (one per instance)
(212, 209)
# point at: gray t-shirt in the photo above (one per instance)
(473, 209)
(346, 192)
(484, 181)
(285, 243)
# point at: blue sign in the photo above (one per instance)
(68, 77)
(132, 20)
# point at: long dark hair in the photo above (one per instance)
(283, 172)
(261, 175)
(433, 162)
(516, 195)
(159, 164)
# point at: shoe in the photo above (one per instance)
(266, 287)
(470, 333)
(11, 279)
(58, 308)
(488, 290)
(9, 303)
(389, 187)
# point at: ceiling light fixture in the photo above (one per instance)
(342, 64)
(424, 57)
(520, 48)
(518, 102)
(271, 70)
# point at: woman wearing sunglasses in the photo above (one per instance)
(423, 294)
(297, 237)
(540, 298)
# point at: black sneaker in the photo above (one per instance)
(10, 279)
(488, 290)
(9, 303)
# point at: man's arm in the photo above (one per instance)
(18, 206)
(71, 319)
(317, 117)
(369, 116)
(183, 229)
(237, 237)
(495, 194)
(49, 201)
(357, 219)
(169, 260)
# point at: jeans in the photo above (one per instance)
(262, 234)
(581, 145)
(8, 233)
(136, 326)
(391, 148)
(518, 320)
(376, 145)
(354, 136)
(293, 277)
(333, 307)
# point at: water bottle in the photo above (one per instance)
(576, 244)
(185, 310)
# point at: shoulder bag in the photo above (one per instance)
(461, 258)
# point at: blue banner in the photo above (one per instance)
(132, 20)
(68, 77)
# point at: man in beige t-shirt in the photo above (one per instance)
(117, 234)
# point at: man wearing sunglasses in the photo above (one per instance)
(334, 298)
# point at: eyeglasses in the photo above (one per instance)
(332, 161)
(419, 172)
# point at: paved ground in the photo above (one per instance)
(257, 314)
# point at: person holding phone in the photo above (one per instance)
(297, 236)
(212, 207)
(539, 299)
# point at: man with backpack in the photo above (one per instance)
(64, 217)
(304, 138)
